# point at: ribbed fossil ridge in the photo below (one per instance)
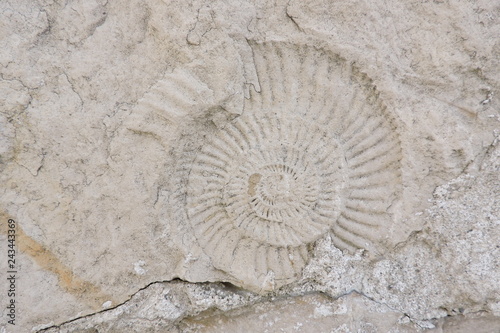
(314, 152)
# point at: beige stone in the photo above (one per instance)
(359, 157)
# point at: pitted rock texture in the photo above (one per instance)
(318, 133)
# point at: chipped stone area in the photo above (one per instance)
(183, 307)
(450, 267)
(200, 165)
(179, 307)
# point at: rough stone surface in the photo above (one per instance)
(216, 166)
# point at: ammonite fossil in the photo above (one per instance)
(315, 152)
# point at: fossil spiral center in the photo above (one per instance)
(274, 187)
(279, 193)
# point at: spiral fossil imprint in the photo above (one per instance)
(314, 152)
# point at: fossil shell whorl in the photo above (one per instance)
(314, 152)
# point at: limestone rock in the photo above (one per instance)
(306, 154)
